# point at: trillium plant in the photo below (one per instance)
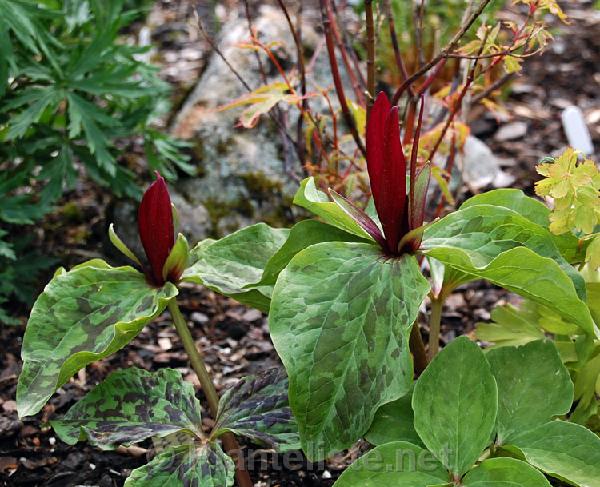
(344, 292)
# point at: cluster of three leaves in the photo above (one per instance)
(132, 405)
(341, 313)
(465, 400)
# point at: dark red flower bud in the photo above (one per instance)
(155, 225)
(386, 165)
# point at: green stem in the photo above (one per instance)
(435, 321)
(197, 361)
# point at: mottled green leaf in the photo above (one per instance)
(186, 466)
(504, 472)
(514, 199)
(455, 404)
(340, 320)
(234, 265)
(130, 406)
(257, 407)
(482, 232)
(302, 235)
(82, 316)
(524, 272)
(530, 208)
(394, 421)
(399, 463)
(317, 202)
(564, 450)
(533, 386)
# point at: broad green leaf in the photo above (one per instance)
(533, 386)
(510, 326)
(394, 421)
(483, 232)
(340, 320)
(234, 265)
(257, 407)
(504, 472)
(302, 235)
(205, 465)
(130, 406)
(455, 404)
(526, 273)
(82, 316)
(530, 208)
(514, 199)
(314, 200)
(564, 450)
(399, 463)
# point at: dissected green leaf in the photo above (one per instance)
(575, 188)
(564, 450)
(234, 265)
(399, 463)
(302, 235)
(484, 231)
(510, 326)
(130, 406)
(185, 466)
(533, 386)
(394, 421)
(317, 202)
(257, 407)
(82, 316)
(455, 403)
(504, 472)
(340, 320)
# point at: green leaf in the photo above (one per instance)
(130, 406)
(532, 209)
(317, 202)
(510, 326)
(82, 316)
(524, 272)
(302, 235)
(504, 472)
(234, 265)
(340, 320)
(564, 450)
(394, 421)
(455, 404)
(483, 232)
(203, 466)
(514, 199)
(257, 407)
(533, 386)
(399, 463)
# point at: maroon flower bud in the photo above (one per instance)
(155, 225)
(386, 165)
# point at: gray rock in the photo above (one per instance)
(480, 167)
(244, 175)
(512, 131)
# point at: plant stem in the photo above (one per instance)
(435, 321)
(417, 347)
(197, 362)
